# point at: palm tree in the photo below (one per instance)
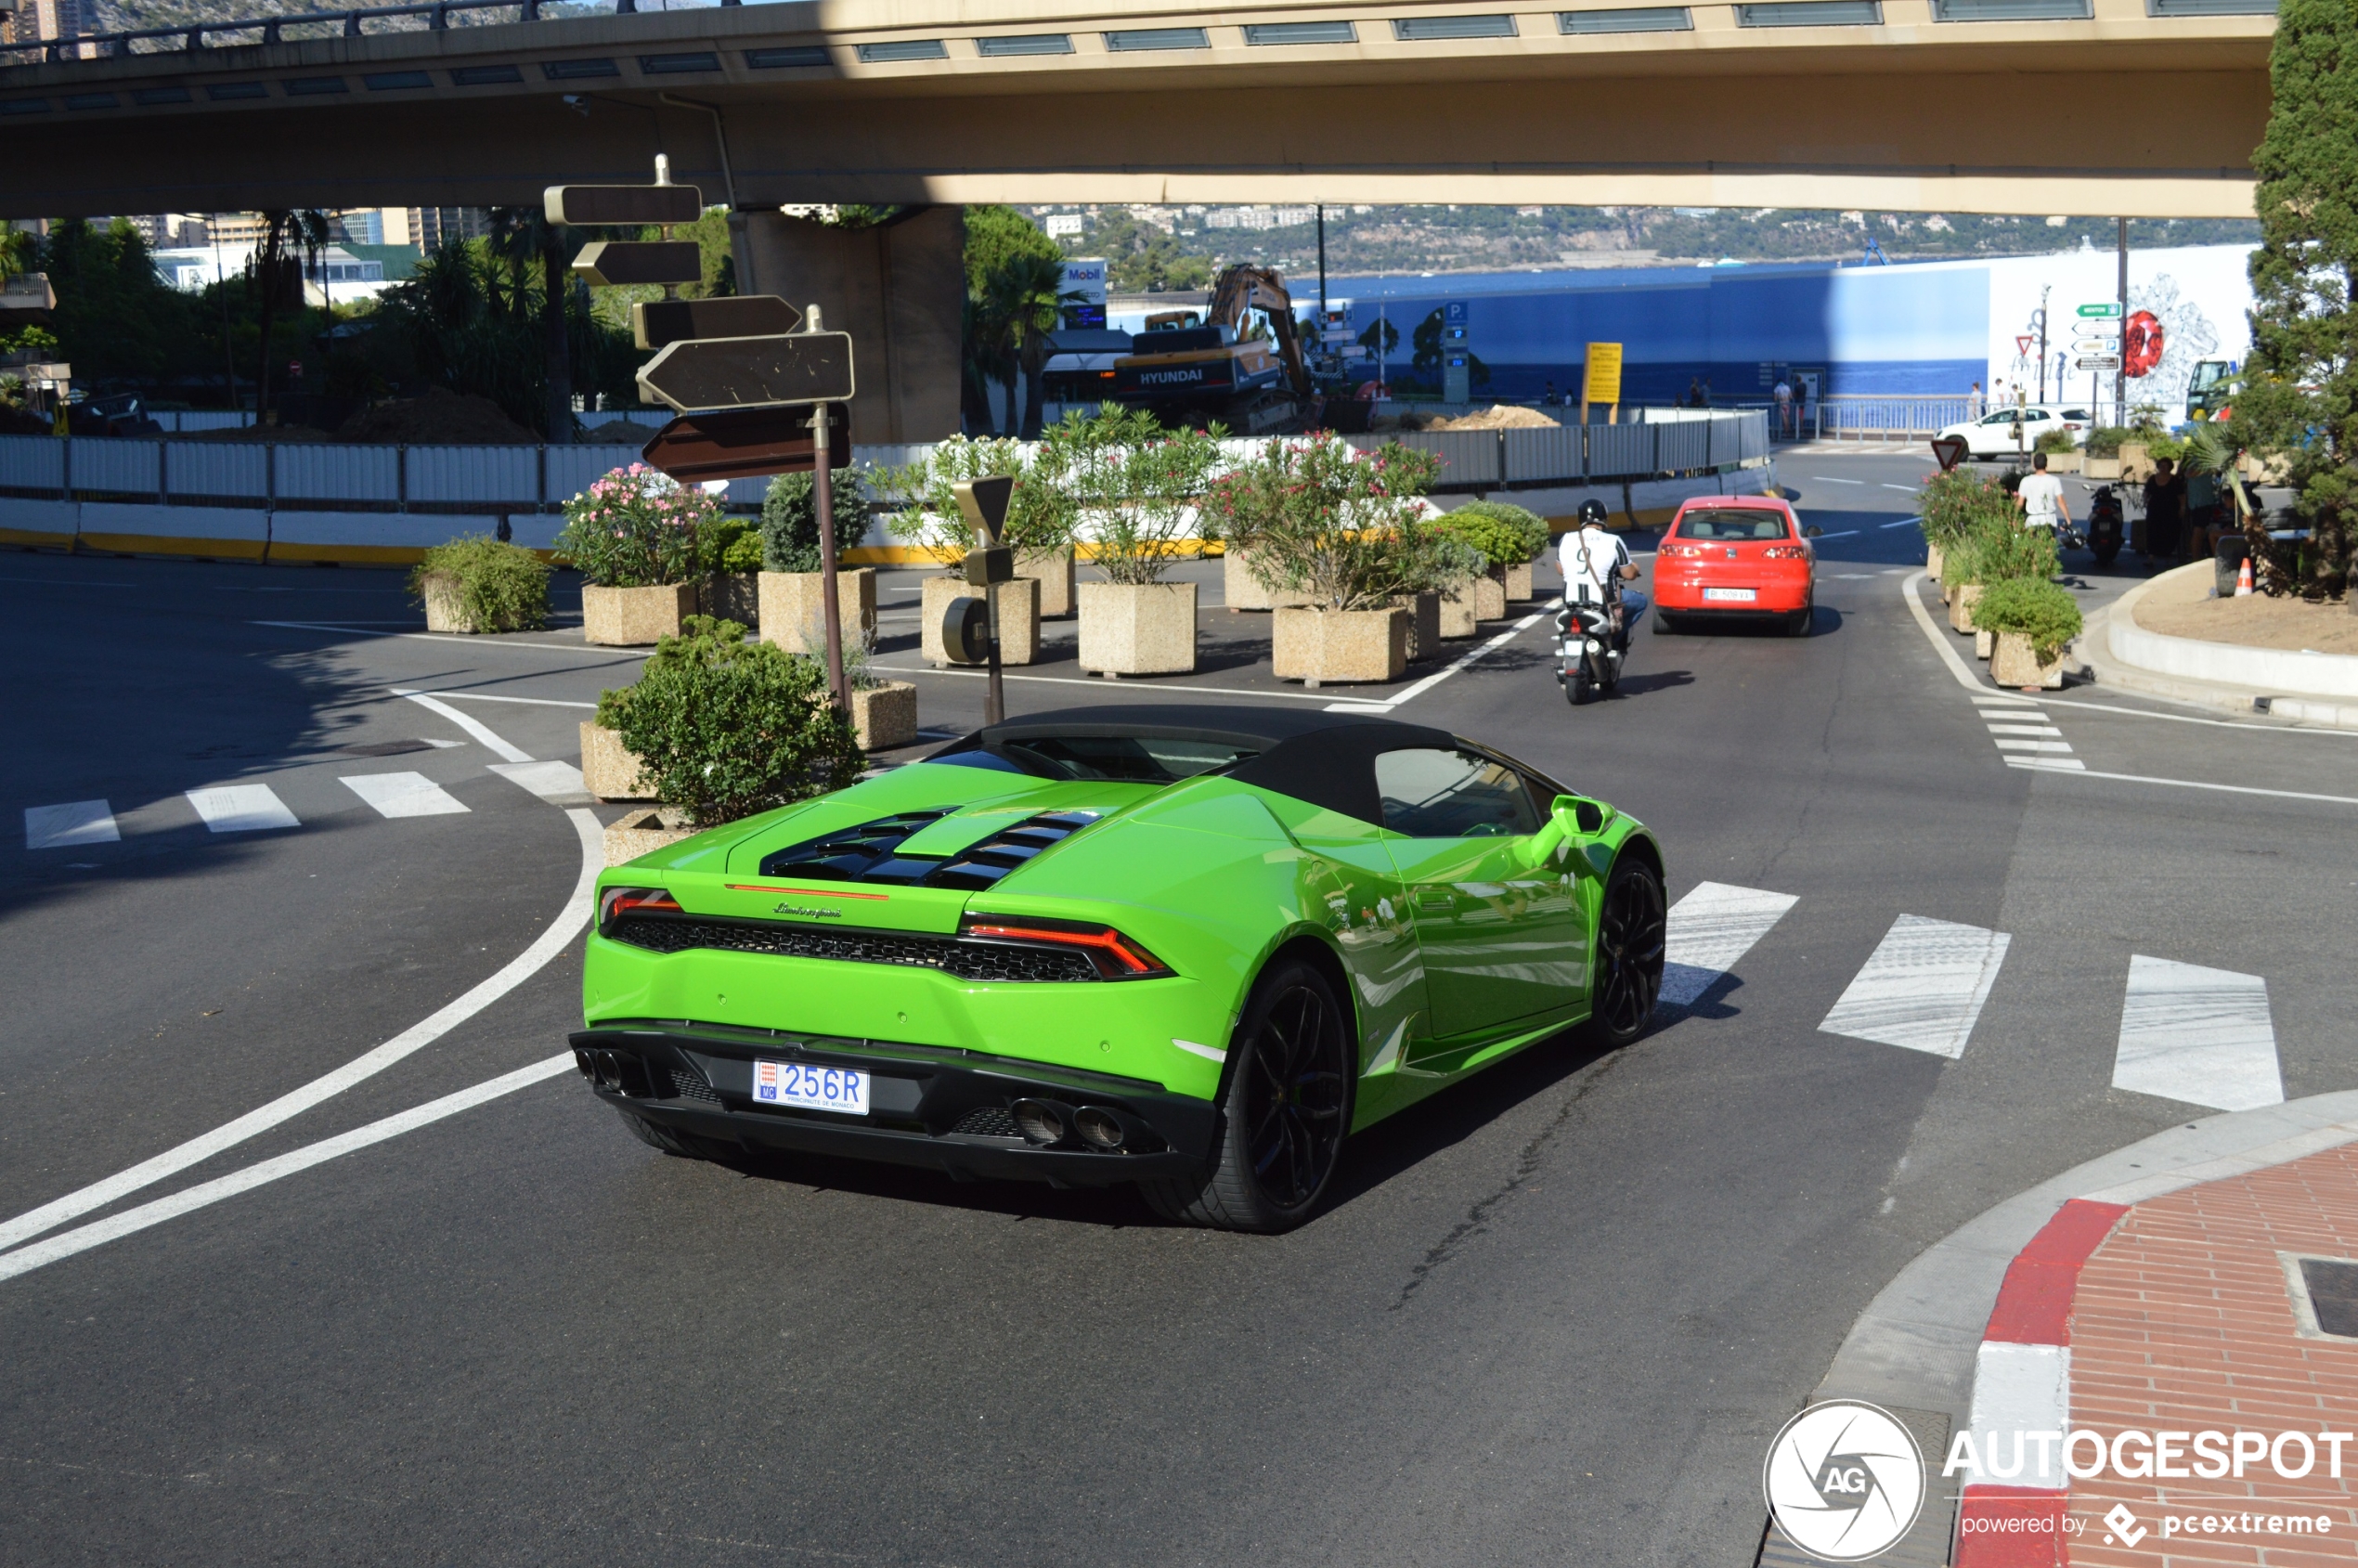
(987, 360)
(291, 245)
(1028, 294)
(519, 237)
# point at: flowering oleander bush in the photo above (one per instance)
(636, 528)
(1344, 527)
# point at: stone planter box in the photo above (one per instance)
(2136, 465)
(2016, 663)
(1053, 568)
(1517, 580)
(1018, 618)
(1933, 562)
(2067, 463)
(1324, 647)
(792, 608)
(1490, 596)
(1459, 609)
(642, 833)
(1424, 624)
(1961, 606)
(1242, 592)
(1982, 640)
(2101, 468)
(445, 609)
(885, 716)
(1139, 629)
(633, 618)
(731, 596)
(611, 770)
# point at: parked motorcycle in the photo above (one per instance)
(1588, 652)
(2106, 529)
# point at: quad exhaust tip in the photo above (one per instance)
(1049, 1123)
(1044, 1123)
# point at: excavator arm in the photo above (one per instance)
(1241, 289)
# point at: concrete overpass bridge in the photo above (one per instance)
(2141, 106)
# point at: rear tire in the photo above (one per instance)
(1626, 975)
(657, 1137)
(1798, 623)
(1283, 1112)
(1665, 626)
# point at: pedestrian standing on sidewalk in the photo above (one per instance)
(1973, 402)
(1783, 394)
(2041, 496)
(2165, 513)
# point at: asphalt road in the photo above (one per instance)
(1553, 1316)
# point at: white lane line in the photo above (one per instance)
(2194, 783)
(489, 697)
(2112, 711)
(1830, 479)
(570, 919)
(241, 809)
(1912, 489)
(1843, 534)
(557, 782)
(75, 822)
(1922, 988)
(24, 1259)
(1903, 523)
(1468, 656)
(403, 795)
(2198, 1035)
(1712, 927)
(506, 644)
(467, 722)
(2058, 764)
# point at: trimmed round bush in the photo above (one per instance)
(503, 586)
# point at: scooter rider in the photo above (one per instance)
(1596, 563)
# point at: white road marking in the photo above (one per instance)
(467, 722)
(2055, 764)
(557, 782)
(1997, 729)
(1468, 656)
(2114, 712)
(506, 644)
(1830, 479)
(1910, 488)
(241, 809)
(1843, 534)
(76, 821)
(403, 795)
(2061, 747)
(2198, 1035)
(1143, 683)
(1712, 927)
(24, 1259)
(489, 697)
(567, 924)
(2193, 784)
(1922, 988)
(1903, 523)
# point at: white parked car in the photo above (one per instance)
(1992, 435)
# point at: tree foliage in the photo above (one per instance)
(2300, 384)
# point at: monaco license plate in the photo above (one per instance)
(840, 1088)
(1730, 595)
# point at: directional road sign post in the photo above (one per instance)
(812, 366)
(1948, 451)
(660, 323)
(614, 263)
(747, 444)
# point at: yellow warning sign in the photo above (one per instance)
(1604, 373)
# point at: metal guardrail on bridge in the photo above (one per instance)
(435, 17)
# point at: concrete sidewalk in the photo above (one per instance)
(2120, 654)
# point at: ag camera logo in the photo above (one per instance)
(1844, 1481)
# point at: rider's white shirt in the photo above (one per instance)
(1590, 557)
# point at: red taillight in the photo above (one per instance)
(1675, 549)
(617, 901)
(1786, 552)
(1117, 956)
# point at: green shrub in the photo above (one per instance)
(1997, 549)
(727, 728)
(790, 520)
(1505, 536)
(503, 586)
(636, 528)
(926, 514)
(2105, 439)
(730, 545)
(1344, 527)
(2056, 442)
(2038, 609)
(1954, 503)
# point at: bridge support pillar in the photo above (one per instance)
(898, 288)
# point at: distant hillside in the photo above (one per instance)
(1179, 247)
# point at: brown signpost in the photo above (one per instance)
(747, 444)
(609, 263)
(751, 372)
(660, 323)
(630, 205)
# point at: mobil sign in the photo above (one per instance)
(1085, 275)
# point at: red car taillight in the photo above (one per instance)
(617, 901)
(1683, 550)
(1117, 956)
(1786, 552)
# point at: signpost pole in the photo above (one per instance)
(822, 499)
(2121, 371)
(995, 700)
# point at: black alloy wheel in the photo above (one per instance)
(1632, 929)
(1284, 1110)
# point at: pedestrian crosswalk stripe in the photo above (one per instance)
(1712, 927)
(403, 795)
(241, 809)
(75, 822)
(1922, 988)
(2007, 744)
(2202, 1036)
(1997, 729)
(2053, 764)
(559, 782)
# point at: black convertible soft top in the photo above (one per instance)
(1324, 758)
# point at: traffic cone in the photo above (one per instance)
(2243, 579)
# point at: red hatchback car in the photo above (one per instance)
(1735, 558)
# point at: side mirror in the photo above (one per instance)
(1575, 816)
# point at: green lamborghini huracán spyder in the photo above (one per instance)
(1187, 947)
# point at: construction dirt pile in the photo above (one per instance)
(2257, 621)
(1499, 416)
(439, 418)
(615, 433)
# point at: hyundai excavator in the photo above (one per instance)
(1223, 369)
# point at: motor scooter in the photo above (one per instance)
(1589, 652)
(2105, 530)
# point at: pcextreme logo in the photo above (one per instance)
(1844, 1481)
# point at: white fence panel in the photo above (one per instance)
(1543, 454)
(1754, 438)
(1727, 440)
(1683, 446)
(217, 469)
(1617, 451)
(315, 471)
(574, 469)
(33, 462)
(507, 475)
(122, 468)
(189, 420)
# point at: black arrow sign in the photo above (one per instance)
(657, 323)
(751, 372)
(630, 204)
(612, 262)
(747, 445)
